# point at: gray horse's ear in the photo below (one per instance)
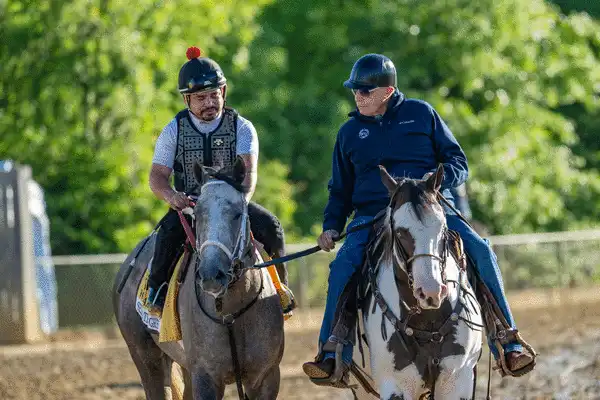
(202, 173)
(198, 173)
(389, 182)
(434, 182)
(239, 170)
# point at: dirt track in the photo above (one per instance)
(566, 335)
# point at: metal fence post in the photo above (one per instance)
(19, 310)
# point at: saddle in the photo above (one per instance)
(346, 326)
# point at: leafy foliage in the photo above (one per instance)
(86, 87)
(499, 72)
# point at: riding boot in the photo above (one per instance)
(169, 239)
(267, 229)
(503, 337)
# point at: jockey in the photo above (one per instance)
(210, 133)
(409, 138)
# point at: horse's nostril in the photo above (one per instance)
(430, 302)
(444, 290)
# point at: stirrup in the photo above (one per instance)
(343, 383)
(340, 377)
(501, 362)
(164, 284)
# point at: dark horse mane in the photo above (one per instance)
(413, 191)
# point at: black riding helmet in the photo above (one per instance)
(199, 73)
(372, 71)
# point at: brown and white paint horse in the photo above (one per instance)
(422, 320)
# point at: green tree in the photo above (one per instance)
(498, 72)
(86, 86)
(590, 7)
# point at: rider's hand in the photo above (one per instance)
(178, 201)
(326, 239)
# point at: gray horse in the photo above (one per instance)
(217, 289)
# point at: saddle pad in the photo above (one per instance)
(170, 326)
(150, 315)
(165, 322)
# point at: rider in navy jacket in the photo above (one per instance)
(409, 139)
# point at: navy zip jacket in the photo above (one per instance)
(409, 140)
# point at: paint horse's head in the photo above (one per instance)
(418, 227)
(222, 227)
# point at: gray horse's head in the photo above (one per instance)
(222, 226)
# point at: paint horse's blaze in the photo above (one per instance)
(422, 321)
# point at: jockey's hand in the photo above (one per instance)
(178, 201)
(326, 239)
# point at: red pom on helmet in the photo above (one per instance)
(193, 52)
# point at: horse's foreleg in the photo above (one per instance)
(268, 387)
(455, 384)
(394, 381)
(205, 387)
(188, 392)
(401, 385)
(153, 367)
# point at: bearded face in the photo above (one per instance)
(206, 105)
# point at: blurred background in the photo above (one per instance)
(86, 86)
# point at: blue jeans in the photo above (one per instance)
(486, 263)
(348, 259)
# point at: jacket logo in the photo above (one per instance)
(406, 122)
(363, 133)
(219, 142)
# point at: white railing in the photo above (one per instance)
(546, 260)
(496, 241)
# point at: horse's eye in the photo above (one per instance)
(237, 217)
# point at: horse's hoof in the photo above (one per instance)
(319, 369)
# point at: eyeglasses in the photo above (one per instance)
(363, 92)
(203, 95)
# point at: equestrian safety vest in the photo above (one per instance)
(216, 148)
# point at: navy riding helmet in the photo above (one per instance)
(372, 71)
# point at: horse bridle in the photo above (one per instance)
(243, 244)
(404, 253)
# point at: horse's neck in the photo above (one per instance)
(453, 274)
(386, 282)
